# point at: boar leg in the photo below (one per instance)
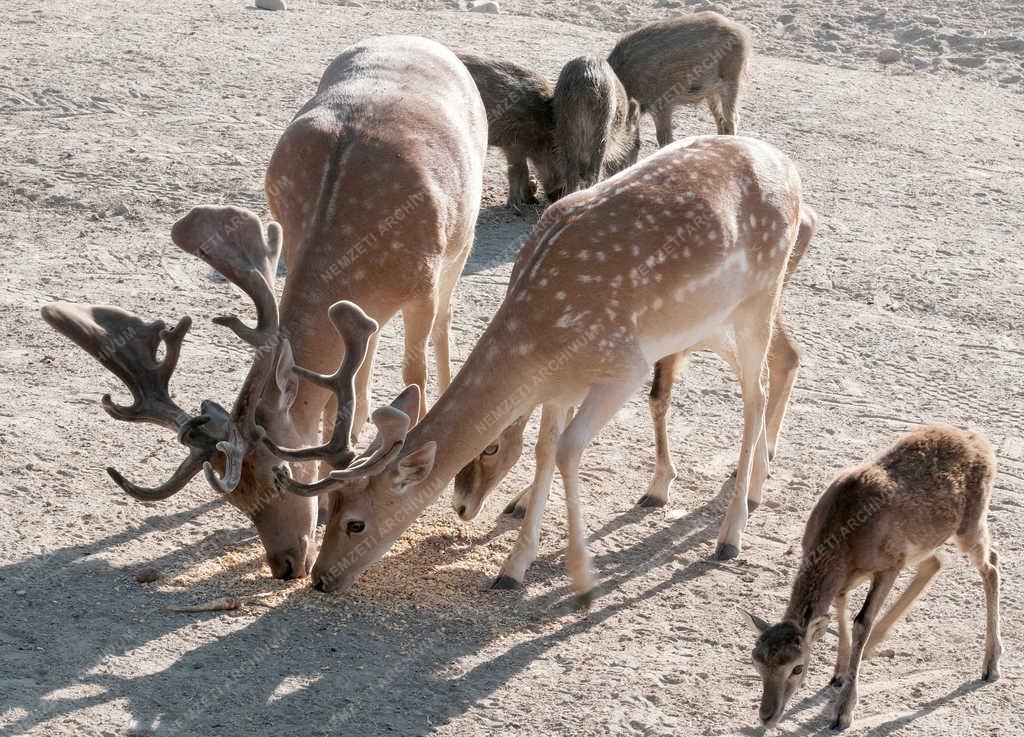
(663, 124)
(521, 191)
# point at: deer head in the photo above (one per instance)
(780, 656)
(479, 477)
(366, 492)
(227, 446)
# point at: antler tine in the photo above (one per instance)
(230, 239)
(181, 476)
(392, 427)
(126, 345)
(355, 329)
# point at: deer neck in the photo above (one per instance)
(491, 391)
(818, 582)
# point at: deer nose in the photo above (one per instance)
(462, 511)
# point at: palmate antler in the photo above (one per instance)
(231, 241)
(355, 329)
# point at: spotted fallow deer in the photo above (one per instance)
(873, 521)
(689, 247)
(482, 475)
(377, 182)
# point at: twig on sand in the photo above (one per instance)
(227, 603)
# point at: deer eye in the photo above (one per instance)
(491, 449)
(797, 670)
(355, 526)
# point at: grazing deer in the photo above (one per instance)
(687, 248)
(521, 122)
(682, 61)
(377, 183)
(479, 477)
(873, 521)
(597, 125)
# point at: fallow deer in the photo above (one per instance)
(873, 521)
(479, 477)
(689, 247)
(681, 61)
(377, 183)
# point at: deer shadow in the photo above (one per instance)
(342, 664)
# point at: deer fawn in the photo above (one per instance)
(873, 521)
(479, 477)
(682, 61)
(379, 174)
(687, 248)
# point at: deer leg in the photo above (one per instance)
(663, 124)
(843, 655)
(440, 335)
(600, 405)
(926, 571)
(979, 549)
(881, 583)
(323, 502)
(660, 402)
(419, 320)
(524, 552)
(517, 507)
(362, 381)
(783, 364)
(751, 358)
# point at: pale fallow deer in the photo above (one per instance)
(873, 521)
(377, 183)
(689, 247)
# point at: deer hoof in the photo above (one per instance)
(517, 511)
(584, 600)
(505, 583)
(725, 551)
(649, 501)
(836, 682)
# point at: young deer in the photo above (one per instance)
(377, 183)
(873, 521)
(479, 477)
(681, 61)
(687, 248)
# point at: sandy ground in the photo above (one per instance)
(119, 116)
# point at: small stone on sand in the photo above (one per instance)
(889, 56)
(484, 6)
(271, 5)
(147, 574)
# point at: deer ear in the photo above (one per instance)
(816, 628)
(755, 622)
(284, 377)
(415, 467)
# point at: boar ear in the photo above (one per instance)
(634, 111)
(754, 622)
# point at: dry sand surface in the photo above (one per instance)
(119, 115)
